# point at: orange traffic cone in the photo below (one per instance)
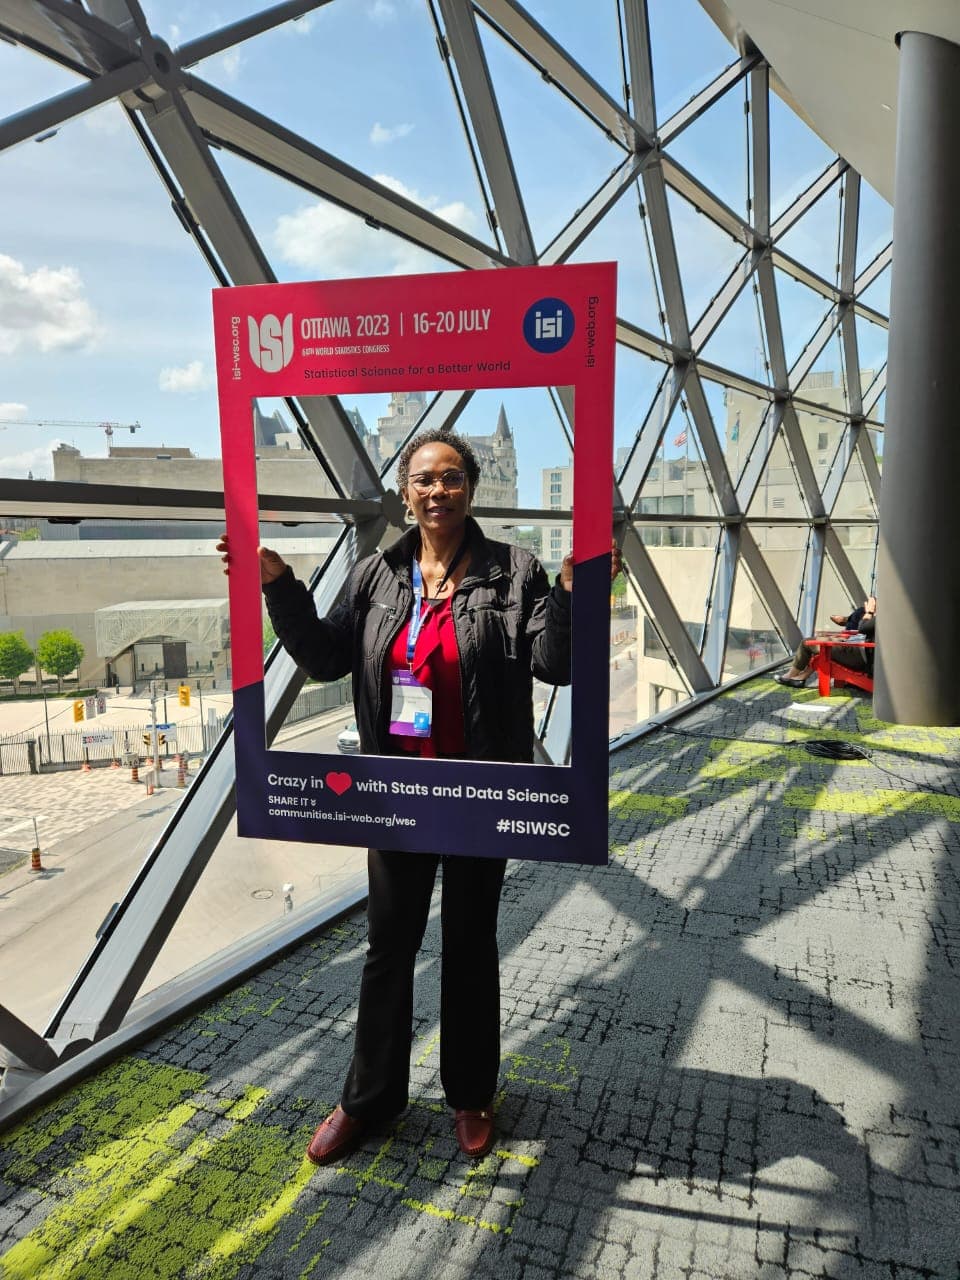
(35, 863)
(134, 773)
(181, 771)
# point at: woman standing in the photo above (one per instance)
(443, 632)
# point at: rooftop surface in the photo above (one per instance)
(731, 1053)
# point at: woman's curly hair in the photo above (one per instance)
(439, 436)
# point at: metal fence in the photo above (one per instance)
(18, 755)
(102, 746)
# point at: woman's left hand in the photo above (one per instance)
(566, 567)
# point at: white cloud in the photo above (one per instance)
(10, 409)
(45, 308)
(38, 461)
(381, 134)
(230, 64)
(382, 11)
(329, 241)
(191, 377)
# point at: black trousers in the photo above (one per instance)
(400, 888)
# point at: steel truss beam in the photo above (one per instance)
(640, 65)
(471, 63)
(556, 65)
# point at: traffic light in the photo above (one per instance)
(78, 709)
(184, 695)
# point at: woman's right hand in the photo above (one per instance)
(271, 564)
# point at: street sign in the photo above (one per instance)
(130, 760)
(90, 706)
(97, 737)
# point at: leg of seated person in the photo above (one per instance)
(801, 662)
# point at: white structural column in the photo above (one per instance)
(918, 577)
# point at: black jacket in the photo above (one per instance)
(510, 627)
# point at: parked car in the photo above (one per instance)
(348, 739)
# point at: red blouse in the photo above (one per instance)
(436, 664)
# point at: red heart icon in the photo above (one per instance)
(339, 782)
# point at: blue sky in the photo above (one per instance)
(105, 301)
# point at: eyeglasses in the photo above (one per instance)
(452, 481)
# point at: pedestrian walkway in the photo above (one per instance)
(731, 1053)
(63, 804)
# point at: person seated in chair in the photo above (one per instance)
(853, 655)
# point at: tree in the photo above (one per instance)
(15, 657)
(269, 636)
(59, 652)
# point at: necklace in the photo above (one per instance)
(444, 580)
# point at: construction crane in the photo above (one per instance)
(106, 427)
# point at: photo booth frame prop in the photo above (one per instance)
(518, 327)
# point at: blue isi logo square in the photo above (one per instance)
(548, 325)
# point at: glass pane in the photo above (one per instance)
(685, 558)
(826, 383)
(854, 499)
(872, 340)
(637, 380)
(706, 254)
(638, 292)
(738, 418)
(876, 225)
(878, 410)
(823, 437)
(860, 544)
(659, 684)
(678, 482)
(784, 548)
(688, 52)
(877, 295)
(778, 493)
(739, 343)
(876, 439)
(801, 313)
(590, 34)
(815, 239)
(542, 124)
(834, 597)
(797, 156)
(752, 639)
(714, 149)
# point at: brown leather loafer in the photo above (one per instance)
(474, 1132)
(337, 1136)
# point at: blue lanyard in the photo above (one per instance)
(417, 615)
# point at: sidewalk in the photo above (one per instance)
(63, 805)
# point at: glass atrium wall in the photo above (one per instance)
(149, 158)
